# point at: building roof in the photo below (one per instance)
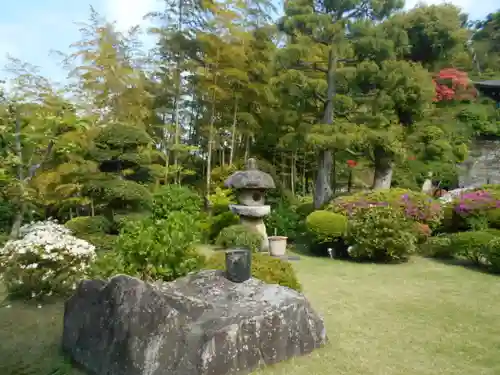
(489, 84)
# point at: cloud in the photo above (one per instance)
(130, 13)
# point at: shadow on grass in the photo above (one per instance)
(303, 249)
(463, 263)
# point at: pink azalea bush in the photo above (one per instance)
(415, 206)
(471, 209)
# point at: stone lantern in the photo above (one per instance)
(251, 186)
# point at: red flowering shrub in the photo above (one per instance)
(453, 84)
(352, 163)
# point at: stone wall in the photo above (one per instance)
(483, 165)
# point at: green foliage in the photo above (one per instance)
(102, 242)
(114, 139)
(220, 200)
(283, 221)
(117, 193)
(414, 205)
(304, 209)
(493, 217)
(4, 237)
(381, 234)
(264, 267)
(120, 220)
(438, 247)
(221, 221)
(492, 256)
(480, 120)
(474, 246)
(89, 225)
(239, 236)
(6, 215)
(154, 249)
(325, 230)
(172, 198)
(325, 226)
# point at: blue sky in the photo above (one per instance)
(30, 29)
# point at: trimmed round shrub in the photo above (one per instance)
(221, 221)
(474, 246)
(493, 217)
(46, 260)
(264, 267)
(89, 225)
(415, 205)
(239, 236)
(325, 230)
(382, 234)
(438, 247)
(493, 255)
(326, 226)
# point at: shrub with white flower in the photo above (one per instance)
(46, 260)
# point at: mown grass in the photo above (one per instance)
(420, 318)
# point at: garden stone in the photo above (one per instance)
(202, 324)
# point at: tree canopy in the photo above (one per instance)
(327, 88)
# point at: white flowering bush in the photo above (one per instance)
(46, 260)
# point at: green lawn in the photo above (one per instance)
(420, 318)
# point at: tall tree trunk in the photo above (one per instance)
(21, 208)
(292, 172)
(383, 169)
(247, 147)
(178, 90)
(323, 190)
(211, 131)
(282, 169)
(166, 149)
(233, 131)
(176, 140)
(334, 171)
(304, 178)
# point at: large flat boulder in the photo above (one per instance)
(202, 324)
